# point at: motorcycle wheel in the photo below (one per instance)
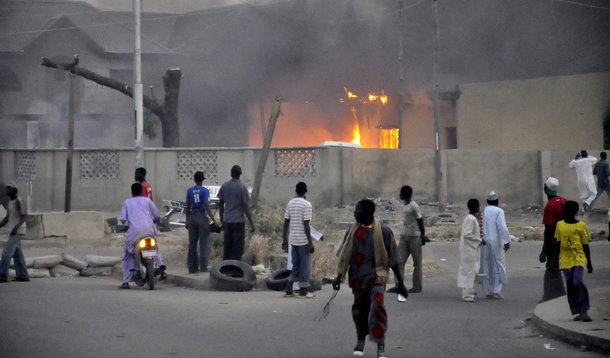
(150, 274)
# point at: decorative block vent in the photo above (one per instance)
(299, 163)
(25, 165)
(99, 165)
(190, 161)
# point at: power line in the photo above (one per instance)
(585, 5)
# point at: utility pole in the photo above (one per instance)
(137, 88)
(401, 77)
(70, 153)
(437, 150)
(258, 178)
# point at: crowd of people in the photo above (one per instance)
(369, 249)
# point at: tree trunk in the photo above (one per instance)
(167, 113)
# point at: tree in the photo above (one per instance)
(166, 112)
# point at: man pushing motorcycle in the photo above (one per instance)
(141, 214)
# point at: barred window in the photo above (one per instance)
(298, 163)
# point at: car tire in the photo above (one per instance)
(277, 280)
(232, 275)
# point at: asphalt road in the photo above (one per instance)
(91, 317)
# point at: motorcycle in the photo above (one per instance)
(145, 252)
(175, 212)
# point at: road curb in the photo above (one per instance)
(586, 341)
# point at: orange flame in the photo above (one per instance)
(356, 135)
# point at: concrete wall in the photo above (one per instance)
(551, 113)
(342, 176)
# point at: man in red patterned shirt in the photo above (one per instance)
(553, 213)
(140, 177)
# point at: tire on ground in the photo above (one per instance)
(232, 275)
(277, 280)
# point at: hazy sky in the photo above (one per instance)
(166, 6)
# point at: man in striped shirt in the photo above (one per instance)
(297, 234)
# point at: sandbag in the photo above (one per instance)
(29, 262)
(72, 262)
(97, 271)
(47, 261)
(39, 273)
(63, 271)
(101, 261)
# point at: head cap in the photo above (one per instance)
(492, 195)
(551, 185)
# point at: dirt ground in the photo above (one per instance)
(264, 246)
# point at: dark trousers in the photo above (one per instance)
(233, 240)
(553, 282)
(199, 232)
(369, 313)
(578, 295)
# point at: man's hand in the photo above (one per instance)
(542, 257)
(402, 290)
(506, 246)
(589, 267)
(483, 242)
(424, 239)
(285, 246)
(337, 283)
(312, 249)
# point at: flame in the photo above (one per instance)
(356, 135)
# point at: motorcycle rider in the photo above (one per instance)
(141, 213)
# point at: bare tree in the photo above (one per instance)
(167, 112)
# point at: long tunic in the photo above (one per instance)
(493, 260)
(139, 212)
(470, 254)
(584, 176)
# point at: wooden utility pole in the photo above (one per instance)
(437, 150)
(70, 153)
(401, 78)
(275, 113)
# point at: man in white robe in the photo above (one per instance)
(497, 239)
(583, 164)
(470, 253)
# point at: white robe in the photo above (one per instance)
(493, 260)
(585, 182)
(470, 254)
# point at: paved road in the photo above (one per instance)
(90, 317)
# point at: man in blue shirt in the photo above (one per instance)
(198, 224)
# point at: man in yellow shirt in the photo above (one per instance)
(574, 238)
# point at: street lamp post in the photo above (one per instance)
(137, 88)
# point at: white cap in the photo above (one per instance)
(552, 184)
(492, 195)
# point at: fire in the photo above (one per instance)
(356, 135)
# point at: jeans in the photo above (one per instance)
(199, 231)
(411, 246)
(233, 240)
(301, 267)
(12, 249)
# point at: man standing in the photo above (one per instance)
(553, 213)
(140, 177)
(297, 234)
(602, 171)
(198, 224)
(410, 243)
(366, 254)
(141, 213)
(583, 164)
(470, 251)
(233, 201)
(497, 239)
(14, 219)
